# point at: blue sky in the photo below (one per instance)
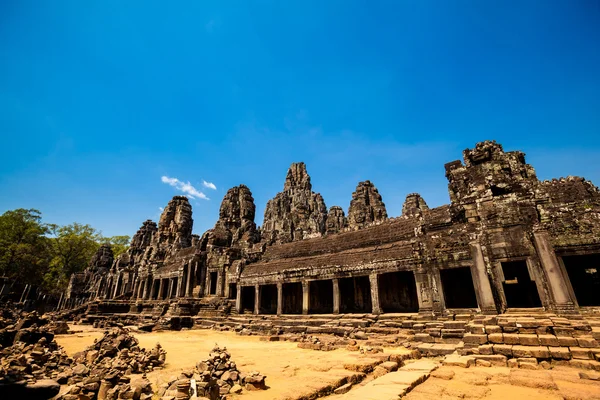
(100, 99)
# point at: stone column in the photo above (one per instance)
(483, 289)
(305, 297)
(336, 296)
(424, 292)
(179, 284)
(375, 293)
(555, 276)
(238, 298)
(279, 298)
(147, 288)
(257, 299)
(220, 277)
(161, 288)
(170, 291)
(116, 291)
(190, 280)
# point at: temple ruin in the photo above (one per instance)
(507, 241)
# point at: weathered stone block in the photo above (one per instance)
(486, 349)
(540, 352)
(587, 341)
(548, 340)
(511, 338)
(527, 323)
(497, 360)
(423, 337)
(503, 349)
(567, 341)
(489, 329)
(476, 339)
(560, 353)
(476, 329)
(522, 351)
(496, 338)
(563, 331)
(581, 353)
(585, 364)
(529, 340)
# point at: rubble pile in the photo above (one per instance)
(31, 362)
(119, 350)
(101, 370)
(29, 328)
(213, 378)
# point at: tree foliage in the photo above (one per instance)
(23, 245)
(46, 255)
(71, 247)
(119, 244)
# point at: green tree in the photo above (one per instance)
(119, 244)
(72, 247)
(23, 245)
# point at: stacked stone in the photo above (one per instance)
(213, 378)
(25, 362)
(29, 328)
(101, 369)
(527, 339)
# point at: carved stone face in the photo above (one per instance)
(361, 216)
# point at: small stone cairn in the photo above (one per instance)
(214, 378)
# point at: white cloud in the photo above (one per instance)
(209, 185)
(161, 209)
(186, 187)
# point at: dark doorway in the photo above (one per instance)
(155, 287)
(213, 283)
(232, 291)
(457, 284)
(321, 297)
(292, 298)
(519, 289)
(584, 274)
(268, 299)
(165, 289)
(355, 295)
(398, 292)
(248, 294)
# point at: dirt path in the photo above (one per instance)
(291, 372)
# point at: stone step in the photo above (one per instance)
(437, 349)
(393, 385)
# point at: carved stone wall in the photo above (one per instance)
(366, 206)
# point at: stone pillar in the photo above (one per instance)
(188, 279)
(305, 297)
(170, 291)
(279, 298)
(220, 277)
(161, 288)
(555, 276)
(483, 289)
(375, 293)
(238, 299)
(257, 299)
(147, 288)
(179, 284)
(424, 292)
(116, 290)
(336, 296)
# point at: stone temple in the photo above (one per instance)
(507, 242)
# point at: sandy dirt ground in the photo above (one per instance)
(291, 372)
